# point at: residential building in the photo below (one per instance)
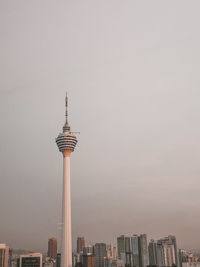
(80, 244)
(100, 253)
(58, 260)
(89, 260)
(135, 251)
(52, 248)
(152, 248)
(128, 252)
(30, 260)
(143, 250)
(167, 251)
(88, 250)
(121, 247)
(111, 252)
(4, 255)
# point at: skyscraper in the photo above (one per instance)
(30, 260)
(66, 143)
(88, 250)
(172, 239)
(4, 255)
(89, 260)
(169, 254)
(111, 252)
(52, 248)
(180, 258)
(167, 251)
(58, 260)
(128, 252)
(121, 247)
(144, 258)
(100, 253)
(152, 253)
(135, 251)
(160, 255)
(80, 244)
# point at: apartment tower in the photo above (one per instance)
(52, 248)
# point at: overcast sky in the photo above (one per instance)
(131, 69)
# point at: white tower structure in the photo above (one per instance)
(66, 143)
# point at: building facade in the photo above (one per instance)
(89, 260)
(88, 250)
(167, 254)
(80, 244)
(143, 250)
(30, 260)
(121, 247)
(100, 254)
(152, 248)
(4, 255)
(135, 251)
(128, 252)
(58, 260)
(52, 248)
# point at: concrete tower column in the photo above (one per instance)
(66, 253)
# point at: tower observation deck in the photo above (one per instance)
(66, 140)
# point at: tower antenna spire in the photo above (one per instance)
(66, 127)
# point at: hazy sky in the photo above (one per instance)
(131, 69)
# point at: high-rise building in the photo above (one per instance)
(88, 250)
(120, 263)
(160, 255)
(128, 252)
(80, 244)
(4, 255)
(169, 255)
(10, 257)
(77, 259)
(143, 250)
(111, 257)
(172, 239)
(111, 252)
(135, 251)
(167, 251)
(121, 247)
(180, 258)
(66, 142)
(52, 248)
(58, 260)
(109, 262)
(89, 260)
(49, 262)
(100, 253)
(30, 260)
(152, 253)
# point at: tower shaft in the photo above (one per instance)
(66, 249)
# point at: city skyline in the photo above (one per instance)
(131, 72)
(131, 251)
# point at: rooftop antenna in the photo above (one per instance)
(66, 127)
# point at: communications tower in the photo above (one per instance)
(66, 143)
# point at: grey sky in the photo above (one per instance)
(131, 69)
